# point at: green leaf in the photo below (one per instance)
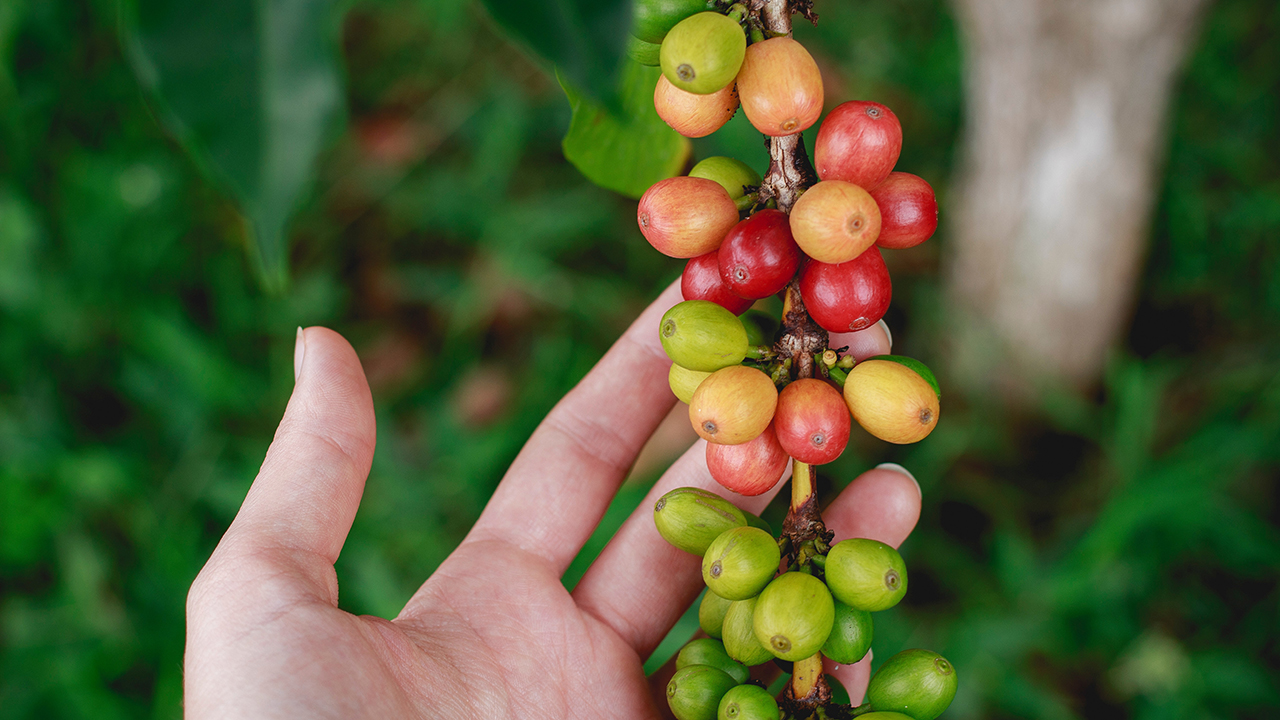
(628, 150)
(583, 39)
(251, 88)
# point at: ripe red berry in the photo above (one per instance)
(858, 142)
(812, 421)
(701, 281)
(684, 217)
(908, 211)
(849, 296)
(751, 468)
(759, 257)
(780, 87)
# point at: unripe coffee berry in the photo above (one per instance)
(740, 562)
(694, 115)
(733, 175)
(891, 401)
(918, 683)
(866, 574)
(733, 406)
(694, 692)
(851, 635)
(651, 20)
(645, 53)
(706, 651)
(780, 87)
(739, 634)
(711, 612)
(692, 518)
(703, 52)
(700, 335)
(684, 217)
(835, 221)
(793, 616)
(748, 702)
(684, 381)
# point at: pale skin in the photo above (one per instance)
(492, 633)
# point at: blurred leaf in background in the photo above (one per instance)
(1113, 556)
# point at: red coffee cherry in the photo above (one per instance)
(850, 296)
(758, 257)
(701, 281)
(858, 142)
(694, 115)
(780, 87)
(812, 421)
(751, 468)
(908, 211)
(835, 221)
(684, 217)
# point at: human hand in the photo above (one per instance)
(492, 633)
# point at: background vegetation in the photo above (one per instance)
(1109, 556)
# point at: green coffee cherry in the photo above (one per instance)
(756, 521)
(705, 651)
(850, 635)
(651, 20)
(701, 335)
(740, 562)
(711, 614)
(684, 382)
(761, 327)
(918, 683)
(793, 616)
(748, 702)
(740, 636)
(645, 53)
(866, 574)
(732, 174)
(692, 518)
(703, 52)
(694, 692)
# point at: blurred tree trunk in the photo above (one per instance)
(1066, 103)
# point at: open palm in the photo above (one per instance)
(493, 633)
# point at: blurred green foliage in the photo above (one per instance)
(1107, 557)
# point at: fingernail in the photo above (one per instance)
(299, 354)
(898, 468)
(885, 326)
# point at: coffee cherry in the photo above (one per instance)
(780, 87)
(835, 221)
(694, 115)
(751, 468)
(684, 217)
(858, 142)
(758, 257)
(756, 521)
(684, 381)
(734, 175)
(705, 651)
(733, 406)
(703, 52)
(711, 614)
(851, 635)
(812, 422)
(918, 683)
(847, 297)
(651, 20)
(920, 368)
(701, 281)
(740, 636)
(762, 328)
(793, 616)
(866, 574)
(694, 692)
(891, 401)
(748, 702)
(908, 210)
(740, 562)
(643, 52)
(692, 518)
(701, 335)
